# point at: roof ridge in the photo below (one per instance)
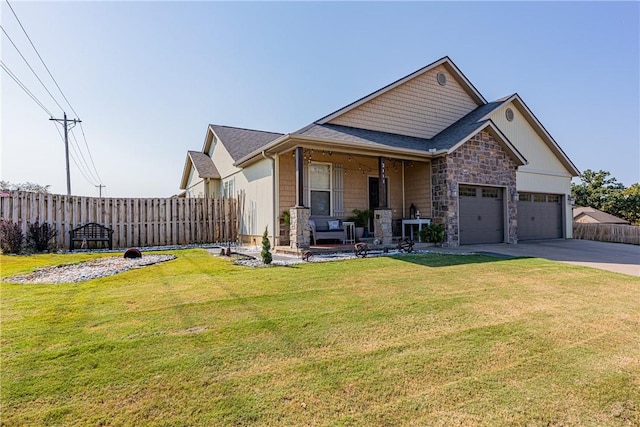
(247, 129)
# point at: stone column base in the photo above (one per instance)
(299, 232)
(382, 225)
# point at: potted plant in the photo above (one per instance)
(360, 218)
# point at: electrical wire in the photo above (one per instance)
(90, 156)
(74, 160)
(24, 88)
(59, 89)
(41, 60)
(88, 169)
(31, 68)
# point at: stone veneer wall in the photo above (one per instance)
(479, 161)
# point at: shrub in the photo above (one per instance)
(266, 246)
(40, 236)
(432, 233)
(11, 237)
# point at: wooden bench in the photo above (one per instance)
(91, 232)
(321, 229)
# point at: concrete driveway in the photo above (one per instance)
(616, 257)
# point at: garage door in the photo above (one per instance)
(539, 216)
(481, 215)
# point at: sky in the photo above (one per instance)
(146, 78)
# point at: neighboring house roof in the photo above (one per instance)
(239, 142)
(203, 165)
(588, 214)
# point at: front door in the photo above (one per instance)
(374, 197)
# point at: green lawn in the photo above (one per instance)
(413, 340)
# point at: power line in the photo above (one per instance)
(59, 89)
(24, 88)
(74, 160)
(31, 68)
(41, 60)
(88, 169)
(89, 151)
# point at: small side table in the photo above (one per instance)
(350, 230)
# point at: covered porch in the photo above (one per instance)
(330, 182)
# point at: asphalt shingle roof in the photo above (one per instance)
(371, 137)
(601, 217)
(446, 139)
(240, 142)
(204, 165)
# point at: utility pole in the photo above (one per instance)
(100, 189)
(66, 123)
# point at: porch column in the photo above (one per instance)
(382, 225)
(382, 183)
(299, 231)
(299, 177)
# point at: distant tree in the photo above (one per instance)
(625, 204)
(26, 186)
(595, 189)
(602, 191)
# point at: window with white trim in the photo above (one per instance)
(229, 189)
(320, 188)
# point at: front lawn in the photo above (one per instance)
(412, 340)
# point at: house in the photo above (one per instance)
(489, 172)
(594, 216)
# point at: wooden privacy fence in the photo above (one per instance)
(135, 222)
(618, 233)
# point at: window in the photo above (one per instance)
(553, 198)
(320, 188)
(524, 197)
(539, 198)
(467, 191)
(229, 189)
(493, 193)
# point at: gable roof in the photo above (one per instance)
(445, 61)
(540, 130)
(445, 142)
(597, 215)
(204, 166)
(238, 141)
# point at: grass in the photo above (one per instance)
(413, 340)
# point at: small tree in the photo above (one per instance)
(40, 236)
(266, 246)
(433, 233)
(11, 237)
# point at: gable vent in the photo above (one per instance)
(442, 79)
(508, 113)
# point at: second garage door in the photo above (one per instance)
(481, 215)
(539, 216)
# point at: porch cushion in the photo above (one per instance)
(334, 225)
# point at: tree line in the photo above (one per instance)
(602, 191)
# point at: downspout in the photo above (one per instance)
(273, 193)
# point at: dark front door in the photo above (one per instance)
(374, 197)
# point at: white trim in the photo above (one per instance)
(330, 190)
(537, 126)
